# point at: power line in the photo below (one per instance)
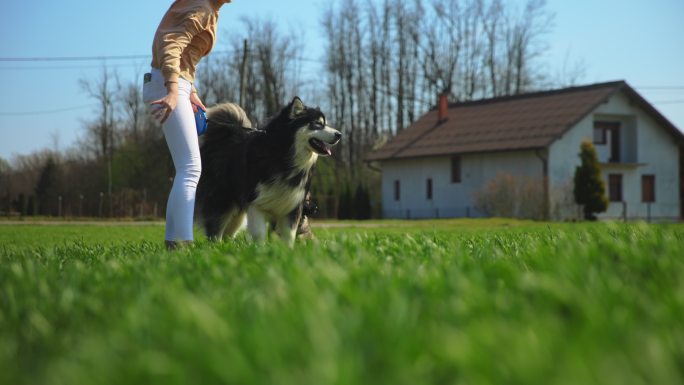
(670, 102)
(45, 112)
(66, 59)
(75, 67)
(660, 87)
(72, 58)
(86, 58)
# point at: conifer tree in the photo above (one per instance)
(47, 188)
(362, 203)
(589, 189)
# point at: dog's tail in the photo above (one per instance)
(229, 114)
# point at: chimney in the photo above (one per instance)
(442, 107)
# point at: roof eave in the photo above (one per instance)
(654, 113)
(531, 148)
(618, 86)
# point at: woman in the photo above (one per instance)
(185, 35)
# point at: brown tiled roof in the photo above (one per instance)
(529, 121)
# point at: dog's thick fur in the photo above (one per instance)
(261, 174)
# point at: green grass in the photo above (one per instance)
(430, 302)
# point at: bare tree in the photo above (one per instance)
(133, 109)
(442, 46)
(103, 130)
(6, 185)
(491, 15)
(523, 45)
(260, 70)
(570, 73)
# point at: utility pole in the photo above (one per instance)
(100, 208)
(243, 72)
(144, 202)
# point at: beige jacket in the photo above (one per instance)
(185, 35)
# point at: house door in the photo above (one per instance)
(608, 133)
(615, 143)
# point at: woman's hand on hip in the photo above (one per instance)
(196, 102)
(167, 104)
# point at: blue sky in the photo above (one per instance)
(42, 105)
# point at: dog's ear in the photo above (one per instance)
(297, 107)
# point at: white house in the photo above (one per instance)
(438, 165)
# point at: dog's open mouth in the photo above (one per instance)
(320, 147)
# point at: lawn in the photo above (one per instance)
(419, 302)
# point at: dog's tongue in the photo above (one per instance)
(327, 150)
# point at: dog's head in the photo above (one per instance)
(311, 132)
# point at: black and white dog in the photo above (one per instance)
(260, 174)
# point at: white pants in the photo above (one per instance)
(181, 138)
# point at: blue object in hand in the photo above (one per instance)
(201, 121)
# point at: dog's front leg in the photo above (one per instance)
(287, 230)
(256, 224)
(287, 226)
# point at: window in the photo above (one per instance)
(456, 169)
(615, 187)
(648, 188)
(599, 135)
(428, 188)
(397, 191)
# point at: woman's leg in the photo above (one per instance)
(181, 138)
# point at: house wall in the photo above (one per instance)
(448, 199)
(646, 148)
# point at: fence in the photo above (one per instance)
(123, 204)
(432, 212)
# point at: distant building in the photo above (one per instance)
(438, 165)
